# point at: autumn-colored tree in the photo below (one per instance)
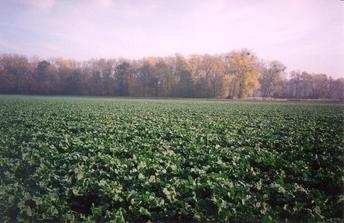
(294, 85)
(336, 89)
(122, 76)
(209, 76)
(237, 74)
(15, 74)
(245, 70)
(165, 79)
(184, 87)
(45, 78)
(271, 80)
(320, 86)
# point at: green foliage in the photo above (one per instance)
(117, 160)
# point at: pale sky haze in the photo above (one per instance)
(303, 34)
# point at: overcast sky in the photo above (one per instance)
(303, 34)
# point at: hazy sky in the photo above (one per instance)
(303, 34)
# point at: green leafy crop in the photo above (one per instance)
(121, 160)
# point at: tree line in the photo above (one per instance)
(238, 74)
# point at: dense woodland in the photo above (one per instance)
(238, 74)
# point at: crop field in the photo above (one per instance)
(70, 159)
